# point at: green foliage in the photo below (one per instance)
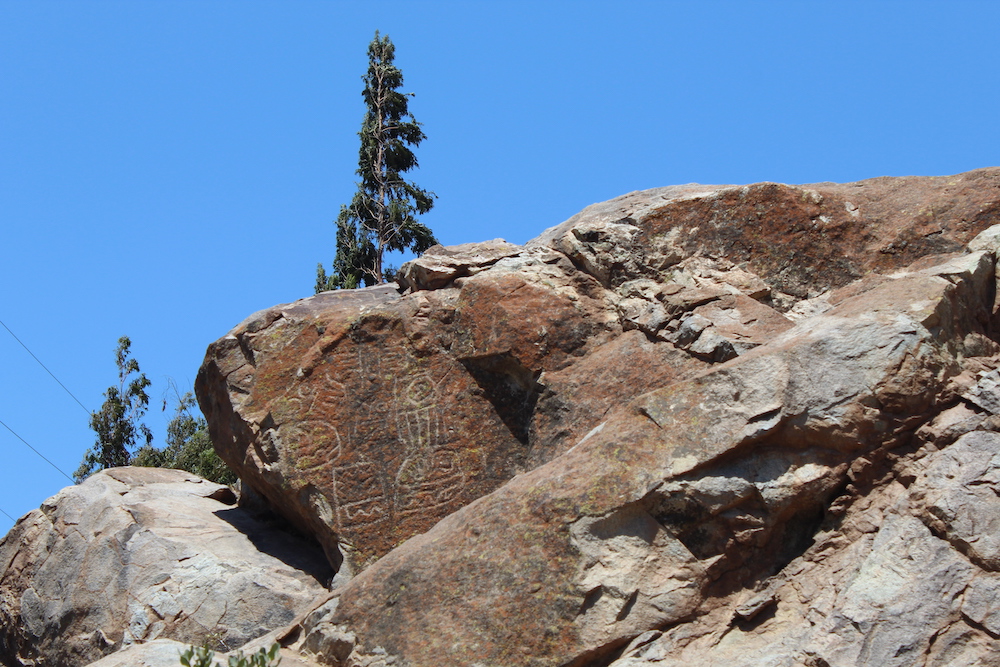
(382, 215)
(117, 424)
(203, 657)
(197, 657)
(188, 447)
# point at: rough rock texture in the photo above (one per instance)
(133, 554)
(367, 417)
(680, 497)
(900, 579)
(699, 420)
(801, 240)
(165, 652)
(156, 653)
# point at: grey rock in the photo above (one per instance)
(986, 393)
(982, 601)
(880, 589)
(960, 491)
(441, 265)
(155, 653)
(136, 554)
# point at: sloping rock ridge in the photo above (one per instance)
(367, 416)
(638, 435)
(712, 425)
(135, 554)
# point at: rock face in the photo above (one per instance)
(692, 492)
(366, 416)
(708, 425)
(133, 554)
(901, 579)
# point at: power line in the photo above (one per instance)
(37, 452)
(46, 370)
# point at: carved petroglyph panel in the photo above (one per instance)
(365, 504)
(370, 433)
(424, 485)
(431, 474)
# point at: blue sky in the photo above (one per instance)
(168, 168)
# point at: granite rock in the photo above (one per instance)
(135, 554)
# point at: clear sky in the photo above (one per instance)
(168, 168)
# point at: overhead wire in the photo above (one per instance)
(45, 367)
(64, 389)
(37, 452)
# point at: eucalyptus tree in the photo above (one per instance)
(117, 424)
(382, 215)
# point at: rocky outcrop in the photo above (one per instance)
(901, 578)
(655, 431)
(135, 554)
(691, 493)
(367, 416)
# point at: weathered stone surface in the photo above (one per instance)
(166, 652)
(610, 440)
(960, 491)
(156, 653)
(986, 393)
(135, 554)
(950, 425)
(801, 240)
(689, 491)
(877, 587)
(441, 265)
(727, 327)
(366, 417)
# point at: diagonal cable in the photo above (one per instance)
(37, 452)
(45, 367)
(8, 516)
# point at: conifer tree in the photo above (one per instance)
(382, 216)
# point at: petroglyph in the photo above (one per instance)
(366, 482)
(366, 503)
(426, 484)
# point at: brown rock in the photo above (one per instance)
(801, 240)
(547, 452)
(366, 417)
(690, 490)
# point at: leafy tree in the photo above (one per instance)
(189, 446)
(382, 215)
(117, 424)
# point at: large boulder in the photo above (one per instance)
(366, 417)
(135, 554)
(540, 455)
(681, 495)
